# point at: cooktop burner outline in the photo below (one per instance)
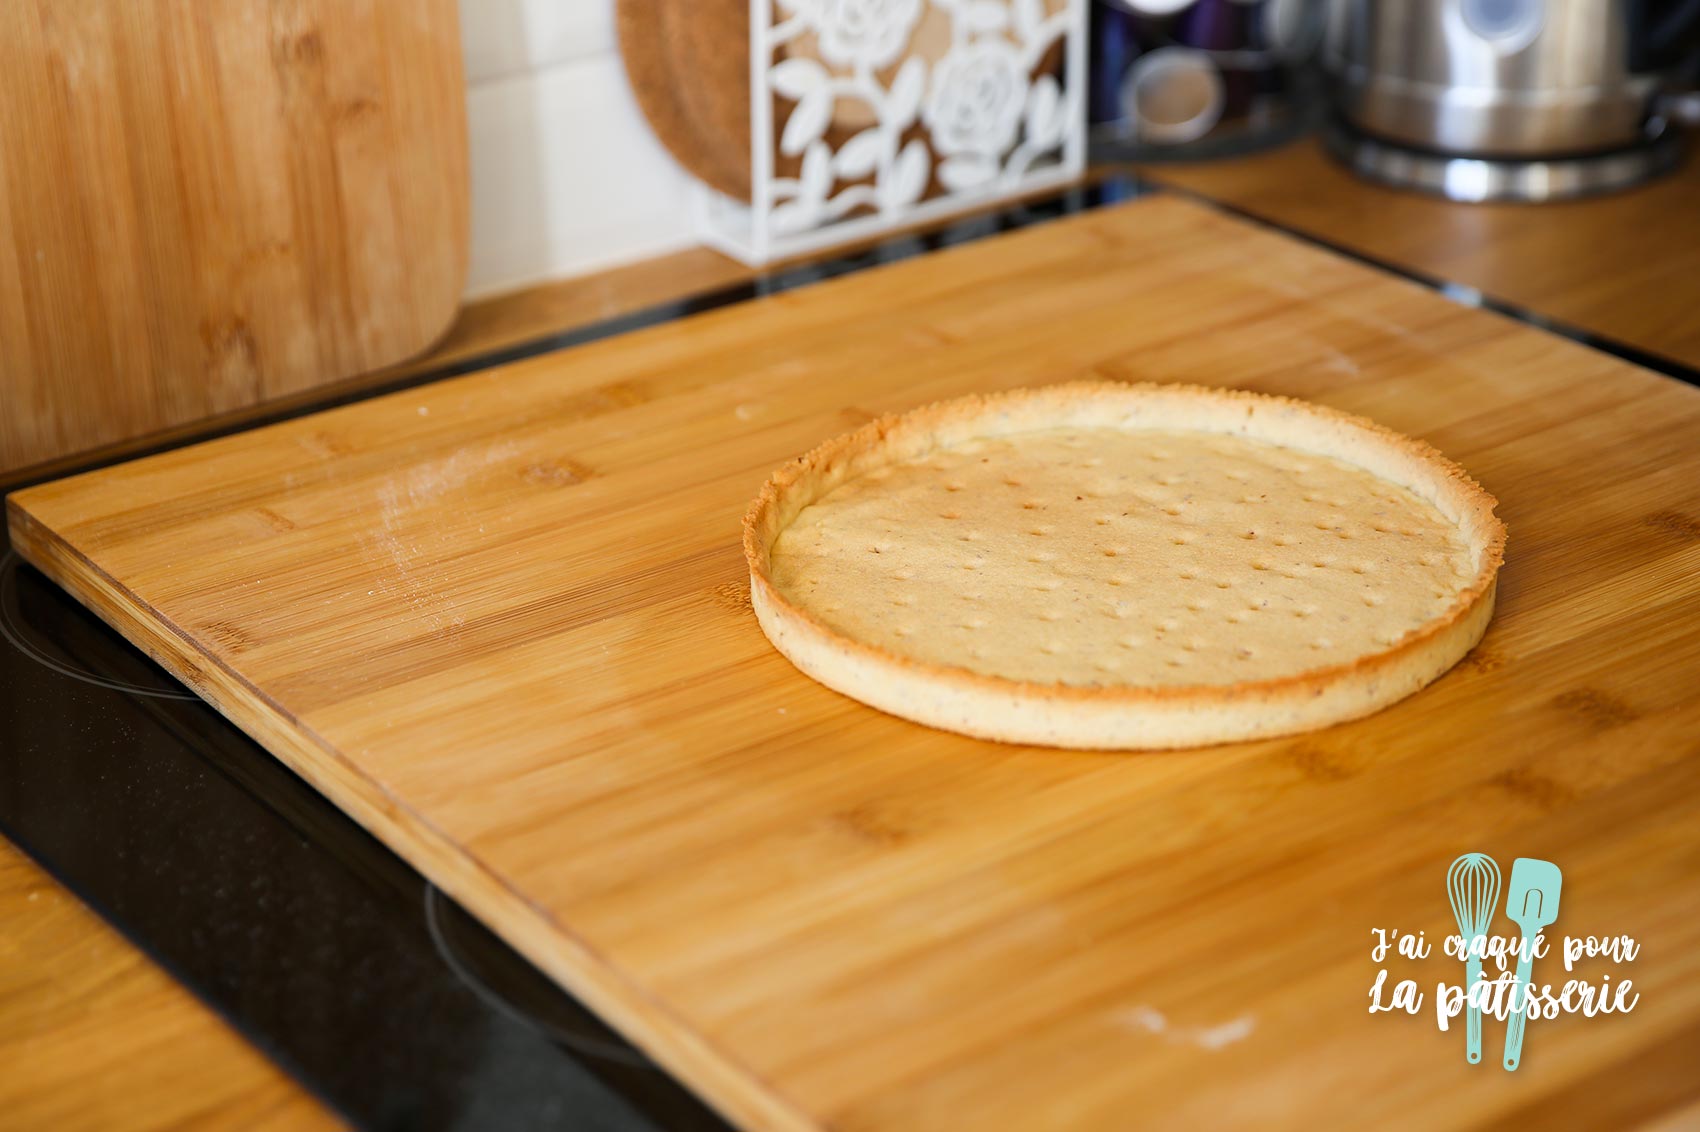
(438, 910)
(14, 626)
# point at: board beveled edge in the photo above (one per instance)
(743, 1097)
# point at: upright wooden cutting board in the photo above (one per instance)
(502, 621)
(208, 204)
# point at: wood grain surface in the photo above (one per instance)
(688, 64)
(482, 327)
(94, 1036)
(502, 621)
(1623, 265)
(211, 205)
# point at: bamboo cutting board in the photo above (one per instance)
(208, 205)
(502, 620)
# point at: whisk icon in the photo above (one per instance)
(1472, 884)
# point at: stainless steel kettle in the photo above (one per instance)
(1489, 99)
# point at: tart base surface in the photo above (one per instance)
(1104, 565)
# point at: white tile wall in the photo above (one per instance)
(508, 37)
(566, 176)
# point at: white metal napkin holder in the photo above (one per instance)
(988, 129)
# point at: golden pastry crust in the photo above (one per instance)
(1125, 715)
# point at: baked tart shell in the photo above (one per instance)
(1142, 715)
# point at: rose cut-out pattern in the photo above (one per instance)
(867, 113)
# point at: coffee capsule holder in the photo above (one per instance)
(1197, 79)
(987, 120)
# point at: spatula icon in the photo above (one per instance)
(1531, 899)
